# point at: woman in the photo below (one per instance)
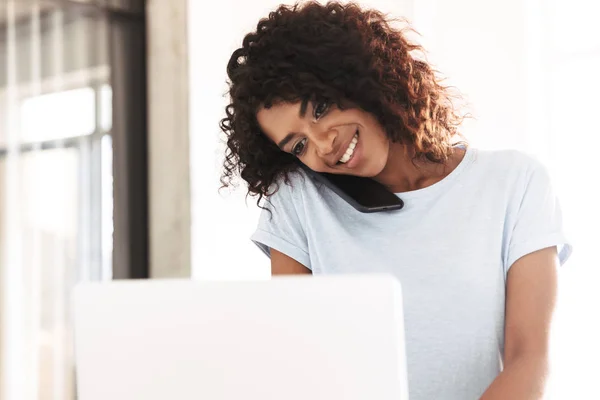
(477, 244)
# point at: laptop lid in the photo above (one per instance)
(293, 338)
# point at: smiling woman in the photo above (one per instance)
(369, 77)
(478, 241)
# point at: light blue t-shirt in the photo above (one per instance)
(451, 248)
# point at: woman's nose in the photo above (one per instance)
(325, 144)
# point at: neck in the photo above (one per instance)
(404, 173)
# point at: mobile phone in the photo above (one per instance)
(364, 194)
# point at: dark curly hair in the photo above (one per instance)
(341, 53)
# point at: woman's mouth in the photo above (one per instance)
(350, 150)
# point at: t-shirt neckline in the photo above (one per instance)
(452, 176)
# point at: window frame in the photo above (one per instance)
(126, 75)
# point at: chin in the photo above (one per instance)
(373, 170)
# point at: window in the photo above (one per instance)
(72, 111)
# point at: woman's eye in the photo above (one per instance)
(320, 109)
(298, 149)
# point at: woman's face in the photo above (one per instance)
(327, 139)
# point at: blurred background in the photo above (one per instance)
(110, 153)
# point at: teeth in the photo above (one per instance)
(350, 150)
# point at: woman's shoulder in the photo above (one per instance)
(510, 174)
(289, 188)
(298, 192)
(508, 162)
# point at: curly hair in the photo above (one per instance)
(341, 53)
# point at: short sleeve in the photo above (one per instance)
(538, 221)
(280, 225)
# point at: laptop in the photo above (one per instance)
(293, 338)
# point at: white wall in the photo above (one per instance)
(485, 50)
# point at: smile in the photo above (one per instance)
(350, 150)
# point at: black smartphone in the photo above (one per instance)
(364, 194)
